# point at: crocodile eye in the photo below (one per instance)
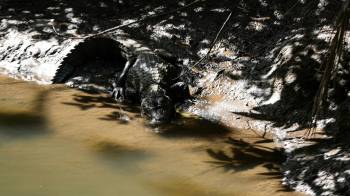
(160, 101)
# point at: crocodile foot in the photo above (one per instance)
(118, 94)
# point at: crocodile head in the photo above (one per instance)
(156, 105)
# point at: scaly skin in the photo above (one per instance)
(84, 52)
(151, 81)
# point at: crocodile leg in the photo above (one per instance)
(119, 84)
(180, 91)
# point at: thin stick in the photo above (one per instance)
(140, 20)
(211, 45)
(214, 41)
(54, 29)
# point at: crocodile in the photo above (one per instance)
(152, 81)
(147, 77)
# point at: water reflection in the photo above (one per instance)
(119, 155)
(121, 114)
(195, 128)
(27, 118)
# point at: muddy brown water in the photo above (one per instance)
(60, 141)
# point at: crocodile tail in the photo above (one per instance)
(87, 50)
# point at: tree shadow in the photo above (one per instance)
(243, 155)
(239, 155)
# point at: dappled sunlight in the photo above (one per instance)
(287, 88)
(325, 155)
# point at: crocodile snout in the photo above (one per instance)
(157, 108)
